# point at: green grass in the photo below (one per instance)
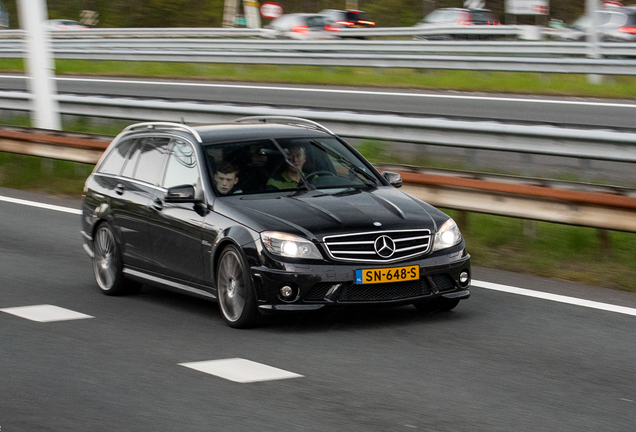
(552, 250)
(501, 82)
(55, 177)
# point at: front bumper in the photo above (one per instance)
(333, 284)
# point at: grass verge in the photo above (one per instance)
(501, 82)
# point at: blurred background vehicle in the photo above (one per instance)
(65, 24)
(301, 26)
(346, 18)
(614, 24)
(445, 17)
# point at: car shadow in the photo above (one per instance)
(327, 319)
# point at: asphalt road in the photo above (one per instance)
(498, 362)
(576, 112)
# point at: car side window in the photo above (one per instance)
(131, 163)
(182, 165)
(116, 158)
(154, 151)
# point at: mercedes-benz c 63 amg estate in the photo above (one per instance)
(262, 215)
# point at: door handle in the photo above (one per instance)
(119, 189)
(157, 204)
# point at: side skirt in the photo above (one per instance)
(167, 284)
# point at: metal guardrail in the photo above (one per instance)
(563, 202)
(484, 135)
(484, 30)
(513, 56)
(508, 48)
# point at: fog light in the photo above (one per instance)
(289, 293)
(286, 291)
(463, 278)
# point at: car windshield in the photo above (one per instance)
(288, 164)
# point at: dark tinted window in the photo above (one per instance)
(115, 160)
(151, 159)
(355, 16)
(315, 21)
(482, 17)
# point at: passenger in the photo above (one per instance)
(291, 176)
(226, 178)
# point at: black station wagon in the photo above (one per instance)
(265, 214)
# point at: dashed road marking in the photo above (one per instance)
(240, 370)
(45, 313)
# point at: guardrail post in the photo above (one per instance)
(592, 39)
(45, 112)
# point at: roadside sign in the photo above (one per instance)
(527, 7)
(271, 10)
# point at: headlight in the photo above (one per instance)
(448, 235)
(288, 245)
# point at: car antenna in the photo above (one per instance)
(182, 120)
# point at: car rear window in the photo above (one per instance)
(116, 158)
(482, 17)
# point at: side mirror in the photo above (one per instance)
(181, 194)
(393, 178)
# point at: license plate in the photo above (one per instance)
(384, 275)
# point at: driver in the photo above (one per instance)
(290, 177)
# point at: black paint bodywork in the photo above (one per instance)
(176, 244)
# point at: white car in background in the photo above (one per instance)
(300, 26)
(65, 24)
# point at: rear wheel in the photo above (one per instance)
(237, 300)
(108, 264)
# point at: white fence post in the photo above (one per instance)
(40, 67)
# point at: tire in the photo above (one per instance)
(440, 304)
(235, 291)
(108, 264)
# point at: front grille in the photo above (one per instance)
(351, 292)
(378, 246)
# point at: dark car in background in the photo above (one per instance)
(341, 235)
(300, 26)
(347, 18)
(445, 17)
(614, 24)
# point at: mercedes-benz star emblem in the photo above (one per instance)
(384, 246)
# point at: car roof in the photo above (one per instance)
(245, 132)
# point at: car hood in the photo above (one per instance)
(314, 214)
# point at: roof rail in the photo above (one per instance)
(164, 125)
(284, 120)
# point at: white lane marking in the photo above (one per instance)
(41, 205)
(555, 297)
(240, 370)
(45, 313)
(346, 92)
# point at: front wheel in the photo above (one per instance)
(108, 265)
(237, 300)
